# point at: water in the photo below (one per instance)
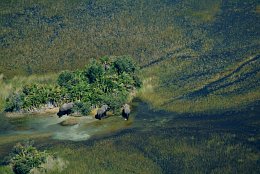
(164, 142)
(37, 124)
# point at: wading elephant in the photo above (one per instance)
(102, 112)
(126, 111)
(65, 109)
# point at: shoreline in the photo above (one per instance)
(40, 112)
(47, 112)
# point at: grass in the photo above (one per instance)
(160, 142)
(161, 154)
(115, 160)
(182, 45)
(8, 86)
(197, 58)
(175, 86)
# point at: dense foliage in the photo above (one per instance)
(25, 157)
(109, 80)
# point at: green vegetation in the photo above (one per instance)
(25, 157)
(13, 85)
(182, 45)
(6, 170)
(109, 82)
(156, 142)
(184, 90)
(199, 59)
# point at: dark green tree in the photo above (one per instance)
(124, 64)
(94, 72)
(65, 79)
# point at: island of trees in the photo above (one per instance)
(108, 80)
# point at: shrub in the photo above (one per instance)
(14, 103)
(80, 107)
(65, 78)
(124, 64)
(115, 101)
(94, 72)
(24, 157)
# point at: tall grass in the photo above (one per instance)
(175, 86)
(183, 45)
(8, 86)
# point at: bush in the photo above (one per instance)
(94, 72)
(14, 103)
(24, 157)
(80, 107)
(65, 78)
(124, 64)
(115, 101)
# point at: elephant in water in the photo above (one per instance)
(102, 112)
(126, 111)
(65, 109)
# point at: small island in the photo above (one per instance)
(110, 81)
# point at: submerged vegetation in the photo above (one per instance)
(107, 81)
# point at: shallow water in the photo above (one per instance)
(37, 124)
(164, 141)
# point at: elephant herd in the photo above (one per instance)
(66, 109)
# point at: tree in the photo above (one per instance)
(65, 78)
(94, 72)
(124, 64)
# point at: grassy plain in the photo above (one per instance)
(197, 59)
(202, 56)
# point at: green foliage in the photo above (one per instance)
(65, 78)
(137, 81)
(24, 157)
(124, 64)
(6, 170)
(94, 72)
(115, 101)
(93, 86)
(197, 38)
(81, 107)
(14, 103)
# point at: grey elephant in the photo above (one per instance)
(126, 111)
(65, 109)
(102, 112)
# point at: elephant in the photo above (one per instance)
(65, 109)
(126, 111)
(102, 112)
